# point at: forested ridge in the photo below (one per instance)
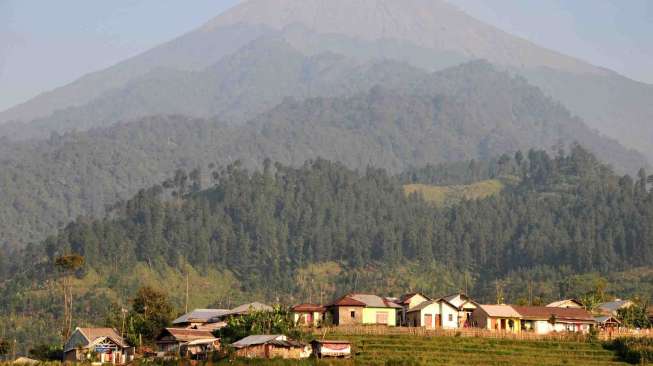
(469, 112)
(265, 233)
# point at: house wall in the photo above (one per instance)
(71, 356)
(342, 315)
(544, 327)
(317, 318)
(482, 320)
(416, 318)
(293, 353)
(369, 315)
(257, 351)
(416, 300)
(449, 317)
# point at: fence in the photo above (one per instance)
(372, 330)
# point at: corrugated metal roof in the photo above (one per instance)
(614, 305)
(246, 308)
(200, 315)
(258, 339)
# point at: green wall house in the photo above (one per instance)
(364, 309)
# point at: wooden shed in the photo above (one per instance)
(271, 346)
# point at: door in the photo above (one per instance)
(438, 321)
(503, 324)
(428, 320)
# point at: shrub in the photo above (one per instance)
(633, 350)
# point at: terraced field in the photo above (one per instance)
(414, 350)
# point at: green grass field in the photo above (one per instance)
(412, 350)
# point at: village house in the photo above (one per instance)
(106, 343)
(200, 318)
(612, 307)
(331, 349)
(566, 303)
(308, 315)
(607, 322)
(466, 307)
(355, 309)
(171, 340)
(497, 317)
(408, 302)
(545, 320)
(433, 314)
(271, 346)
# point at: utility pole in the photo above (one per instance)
(124, 313)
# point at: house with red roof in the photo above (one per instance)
(308, 315)
(364, 309)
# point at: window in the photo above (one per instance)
(450, 317)
(352, 314)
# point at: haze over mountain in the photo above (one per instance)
(429, 34)
(472, 111)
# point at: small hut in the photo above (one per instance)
(271, 346)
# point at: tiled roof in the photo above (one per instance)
(404, 299)
(423, 305)
(545, 313)
(92, 334)
(374, 301)
(557, 304)
(187, 335)
(500, 311)
(200, 315)
(308, 307)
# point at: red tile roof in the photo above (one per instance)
(308, 308)
(545, 313)
(185, 334)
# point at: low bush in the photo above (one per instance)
(633, 350)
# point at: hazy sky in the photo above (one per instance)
(45, 44)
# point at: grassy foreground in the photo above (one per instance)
(400, 350)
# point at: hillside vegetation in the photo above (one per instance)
(307, 233)
(470, 112)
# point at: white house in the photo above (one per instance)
(544, 320)
(466, 307)
(408, 302)
(433, 314)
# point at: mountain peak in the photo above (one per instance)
(429, 24)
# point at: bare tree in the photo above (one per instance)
(67, 266)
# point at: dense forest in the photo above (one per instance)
(287, 233)
(473, 111)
